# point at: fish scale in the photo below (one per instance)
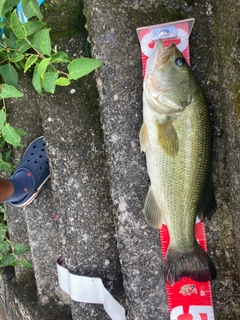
(169, 193)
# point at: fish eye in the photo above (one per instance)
(180, 61)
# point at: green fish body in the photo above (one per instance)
(176, 138)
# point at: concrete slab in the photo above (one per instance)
(99, 178)
(112, 32)
(114, 41)
(80, 185)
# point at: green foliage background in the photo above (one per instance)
(27, 48)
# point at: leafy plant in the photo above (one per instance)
(26, 47)
(11, 254)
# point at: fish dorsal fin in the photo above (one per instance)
(167, 138)
(144, 140)
(152, 212)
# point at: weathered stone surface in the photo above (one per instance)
(63, 18)
(114, 41)
(227, 37)
(19, 301)
(44, 242)
(84, 233)
(80, 185)
(228, 58)
(96, 195)
(23, 113)
(34, 225)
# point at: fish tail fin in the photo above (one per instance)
(195, 265)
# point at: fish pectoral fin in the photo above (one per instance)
(144, 140)
(167, 138)
(152, 212)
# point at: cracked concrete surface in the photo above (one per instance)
(98, 175)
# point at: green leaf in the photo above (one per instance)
(26, 264)
(3, 229)
(11, 38)
(6, 155)
(9, 74)
(16, 263)
(20, 65)
(37, 81)
(9, 91)
(3, 246)
(81, 66)
(32, 59)
(20, 249)
(17, 26)
(50, 68)
(3, 118)
(2, 210)
(3, 226)
(10, 135)
(60, 57)
(49, 80)
(33, 26)
(62, 82)
(42, 42)
(16, 57)
(20, 132)
(13, 3)
(2, 142)
(5, 166)
(23, 45)
(7, 6)
(42, 66)
(3, 53)
(7, 260)
(1, 6)
(31, 9)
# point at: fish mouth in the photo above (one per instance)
(163, 54)
(159, 46)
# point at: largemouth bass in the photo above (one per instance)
(175, 136)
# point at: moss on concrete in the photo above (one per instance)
(69, 20)
(237, 98)
(227, 33)
(156, 15)
(137, 15)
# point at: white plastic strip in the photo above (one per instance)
(88, 290)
